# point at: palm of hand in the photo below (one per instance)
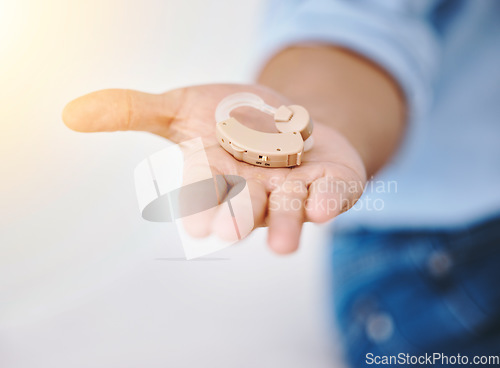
(189, 113)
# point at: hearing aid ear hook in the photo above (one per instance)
(283, 149)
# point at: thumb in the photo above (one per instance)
(121, 109)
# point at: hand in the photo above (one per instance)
(328, 182)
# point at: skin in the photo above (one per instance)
(358, 113)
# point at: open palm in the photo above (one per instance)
(328, 182)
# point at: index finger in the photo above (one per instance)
(286, 215)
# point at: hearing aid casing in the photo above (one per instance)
(283, 149)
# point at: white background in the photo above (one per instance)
(84, 281)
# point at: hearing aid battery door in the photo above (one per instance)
(259, 148)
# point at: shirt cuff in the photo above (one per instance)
(402, 44)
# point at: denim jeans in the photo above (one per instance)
(418, 292)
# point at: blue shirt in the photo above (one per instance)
(445, 54)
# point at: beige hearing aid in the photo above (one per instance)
(283, 149)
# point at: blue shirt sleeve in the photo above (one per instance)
(396, 34)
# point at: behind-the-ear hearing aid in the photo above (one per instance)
(283, 149)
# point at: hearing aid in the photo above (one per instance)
(284, 148)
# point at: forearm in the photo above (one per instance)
(345, 91)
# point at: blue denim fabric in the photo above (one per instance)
(418, 292)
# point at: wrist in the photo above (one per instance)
(346, 92)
